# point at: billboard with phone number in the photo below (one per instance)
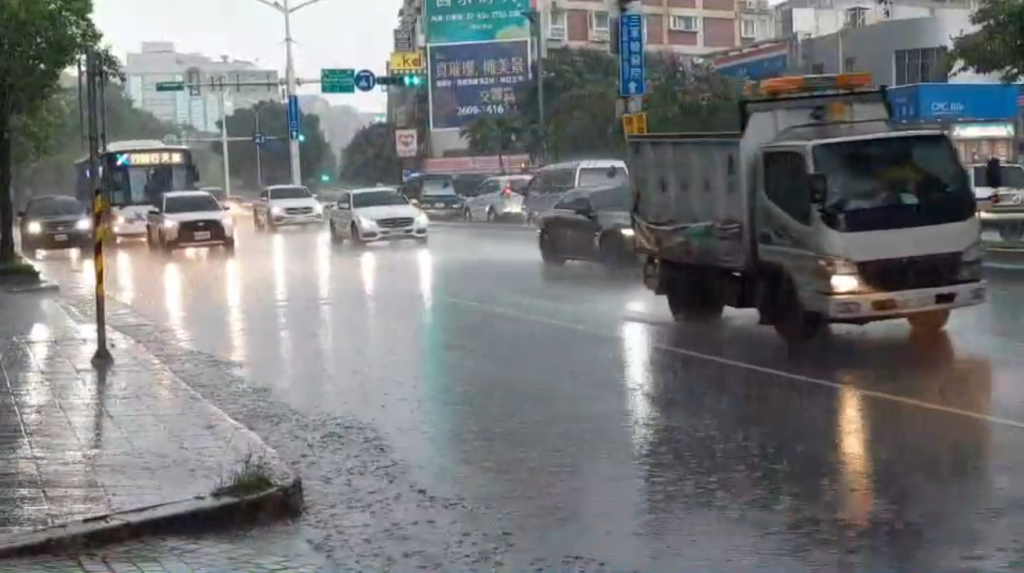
(468, 81)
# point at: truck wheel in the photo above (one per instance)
(693, 296)
(793, 323)
(928, 322)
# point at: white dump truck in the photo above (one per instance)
(818, 212)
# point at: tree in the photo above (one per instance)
(370, 157)
(316, 157)
(495, 135)
(39, 39)
(997, 46)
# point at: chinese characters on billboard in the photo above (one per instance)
(471, 80)
(458, 21)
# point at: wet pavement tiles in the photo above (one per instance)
(77, 442)
(182, 555)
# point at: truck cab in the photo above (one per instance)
(817, 212)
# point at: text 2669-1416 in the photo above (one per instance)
(480, 110)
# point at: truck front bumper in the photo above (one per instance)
(880, 306)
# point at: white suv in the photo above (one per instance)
(376, 214)
(283, 205)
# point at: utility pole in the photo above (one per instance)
(259, 148)
(291, 84)
(100, 204)
(536, 19)
(224, 138)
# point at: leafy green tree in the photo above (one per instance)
(370, 157)
(39, 39)
(495, 135)
(997, 46)
(316, 157)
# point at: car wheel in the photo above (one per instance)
(467, 215)
(491, 216)
(548, 251)
(356, 239)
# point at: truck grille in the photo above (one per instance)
(187, 230)
(889, 275)
(299, 210)
(393, 223)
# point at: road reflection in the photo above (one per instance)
(174, 299)
(236, 318)
(284, 339)
(125, 280)
(636, 356)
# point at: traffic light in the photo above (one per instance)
(325, 178)
(404, 80)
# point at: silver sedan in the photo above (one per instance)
(498, 199)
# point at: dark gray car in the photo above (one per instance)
(58, 222)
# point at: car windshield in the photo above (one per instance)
(55, 207)
(289, 193)
(871, 173)
(602, 176)
(1013, 176)
(377, 199)
(437, 187)
(190, 204)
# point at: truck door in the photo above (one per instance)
(785, 216)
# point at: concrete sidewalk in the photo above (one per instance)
(77, 443)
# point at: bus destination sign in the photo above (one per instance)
(145, 159)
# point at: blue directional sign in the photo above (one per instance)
(632, 72)
(365, 80)
(293, 117)
(407, 174)
(259, 138)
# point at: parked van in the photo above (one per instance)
(551, 181)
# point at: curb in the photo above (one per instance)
(195, 515)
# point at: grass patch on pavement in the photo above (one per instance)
(18, 270)
(252, 476)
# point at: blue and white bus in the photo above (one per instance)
(136, 173)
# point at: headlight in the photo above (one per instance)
(34, 228)
(318, 208)
(168, 224)
(228, 220)
(972, 253)
(83, 224)
(422, 220)
(119, 220)
(844, 284)
(276, 211)
(626, 232)
(364, 222)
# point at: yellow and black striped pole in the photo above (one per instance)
(99, 231)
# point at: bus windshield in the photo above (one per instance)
(143, 185)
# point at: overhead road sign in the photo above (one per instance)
(170, 86)
(632, 67)
(338, 81)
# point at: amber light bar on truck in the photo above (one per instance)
(795, 85)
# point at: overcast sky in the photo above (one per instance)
(330, 34)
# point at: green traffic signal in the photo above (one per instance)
(412, 81)
(325, 178)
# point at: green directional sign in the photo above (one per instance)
(170, 86)
(338, 81)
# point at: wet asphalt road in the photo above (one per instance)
(597, 433)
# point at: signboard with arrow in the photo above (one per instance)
(632, 68)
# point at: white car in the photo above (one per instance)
(284, 205)
(376, 214)
(189, 219)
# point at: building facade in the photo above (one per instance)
(160, 62)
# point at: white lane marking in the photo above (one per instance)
(744, 365)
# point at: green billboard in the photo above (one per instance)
(461, 21)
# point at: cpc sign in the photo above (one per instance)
(947, 107)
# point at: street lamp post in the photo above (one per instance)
(536, 19)
(290, 80)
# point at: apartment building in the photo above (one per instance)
(160, 62)
(688, 27)
(812, 18)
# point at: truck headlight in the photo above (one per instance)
(842, 275)
(83, 224)
(626, 232)
(34, 228)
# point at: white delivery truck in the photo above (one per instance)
(818, 212)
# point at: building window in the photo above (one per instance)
(684, 24)
(748, 28)
(599, 21)
(921, 65)
(856, 17)
(557, 24)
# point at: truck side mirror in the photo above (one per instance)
(818, 188)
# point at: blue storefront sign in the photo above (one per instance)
(468, 81)
(953, 102)
(756, 69)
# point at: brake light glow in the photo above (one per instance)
(995, 198)
(506, 191)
